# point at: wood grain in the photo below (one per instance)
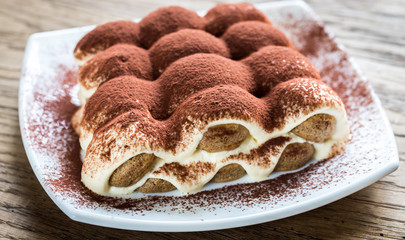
(372, 31)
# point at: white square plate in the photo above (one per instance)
(46, 103)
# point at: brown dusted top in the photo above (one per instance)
(166, 20)
(116, 97)
(244, 38)
(271, 84)
(220, 17)
(105, 36)
(200, 71)
(162, 22)
(183, 43)
(273, 65)
(176, 42)
(118, 60)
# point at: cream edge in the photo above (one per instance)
(86, 57)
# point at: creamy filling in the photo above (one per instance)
(84, 94)
(99, 182)
(84, 58)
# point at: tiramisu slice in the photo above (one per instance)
(178, 100)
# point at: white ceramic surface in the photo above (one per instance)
(47, 83)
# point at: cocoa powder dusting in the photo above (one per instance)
(246, 37)
(185, 173)
(183, 43)
(50, 132)
(261, 155)
(220, 17)
(118, 60)
(167, 20)
(207, 87)
(107, 35)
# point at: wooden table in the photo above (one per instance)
(372, 31)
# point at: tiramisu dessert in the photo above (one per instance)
(178, 100)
